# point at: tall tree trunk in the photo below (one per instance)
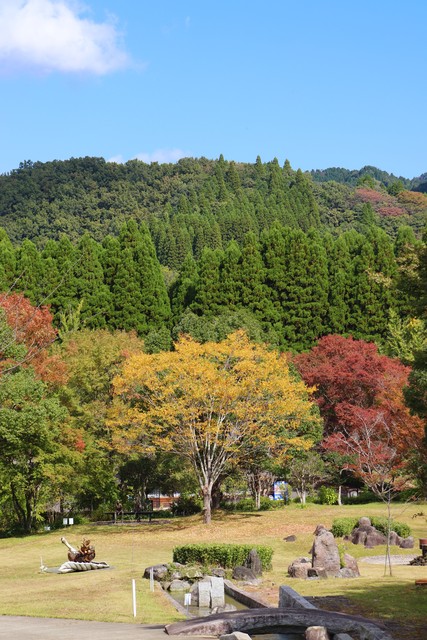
(340, 495)
(207, 498)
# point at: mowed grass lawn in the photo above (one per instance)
(106, 595)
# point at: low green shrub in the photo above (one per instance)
(327, 495)
(248, 505)
(381, 523)
(222, 555)
(343, 526)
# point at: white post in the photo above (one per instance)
(134, 597)
(151, 579)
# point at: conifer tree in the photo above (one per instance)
(230, 276)
(252, 276)
(29, 270)
(208, 296)
(184, 288)
(7, 261)
(96, 296)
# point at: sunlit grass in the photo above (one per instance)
(106, 595)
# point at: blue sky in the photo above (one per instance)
(320, 82)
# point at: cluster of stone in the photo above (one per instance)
(207, 591)
(370, 537)
(325, 560)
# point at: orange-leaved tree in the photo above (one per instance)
(205, 402)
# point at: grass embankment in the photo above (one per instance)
(105, 595)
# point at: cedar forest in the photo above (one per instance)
(288, 309)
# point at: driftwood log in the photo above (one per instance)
(86, 553)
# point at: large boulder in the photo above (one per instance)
(325, 554)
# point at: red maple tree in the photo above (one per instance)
(30, 327)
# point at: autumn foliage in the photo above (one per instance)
(208, 402)
(31, 329)
(360, 395)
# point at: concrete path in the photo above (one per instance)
(23, 628)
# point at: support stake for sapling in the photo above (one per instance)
(134, 596)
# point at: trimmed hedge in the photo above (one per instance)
(226, 556)
(344, 526)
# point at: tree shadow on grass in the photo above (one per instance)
(400, 607)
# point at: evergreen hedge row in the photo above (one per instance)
(227, 556)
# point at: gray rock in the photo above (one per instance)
(160, 571)
(407, 543)
(358, 536)
(347, 573)
(219, 572)
(226, 607)
(192, 573)
(290, 538)
(320, 572)
(217, 592)
(204, 588)
(299, 569)
(351, 563)
(364, 522)
(179, 585)
(254, 563)
(375, 538)
(342, 636)
(176, 575)
(236, 635)
(316, 633)
(325, 552)
(394, 539)
(245, 574)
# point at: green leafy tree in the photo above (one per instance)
(32, 446)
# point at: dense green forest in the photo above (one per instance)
(205, 246)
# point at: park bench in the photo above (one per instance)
(118, 516)
(421, 582)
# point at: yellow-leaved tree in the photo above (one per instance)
(208, 402)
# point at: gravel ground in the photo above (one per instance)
(394, 559)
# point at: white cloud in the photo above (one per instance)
(162, 155)
(54, 35)
(116, 159)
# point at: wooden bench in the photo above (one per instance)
(422, 582)
(118, 515)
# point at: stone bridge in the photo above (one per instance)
(270, 619)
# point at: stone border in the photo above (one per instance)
(248, 599)
(251, 620)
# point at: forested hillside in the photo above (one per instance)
(205, 246)
(118, 264)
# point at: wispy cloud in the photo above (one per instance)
(160, 155)
(57, 35)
